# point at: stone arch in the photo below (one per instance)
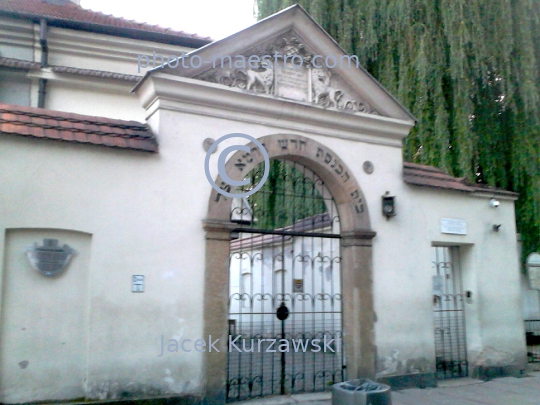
(356, 246)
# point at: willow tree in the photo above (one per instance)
(468, 70)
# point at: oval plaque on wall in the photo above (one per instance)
(49, 259)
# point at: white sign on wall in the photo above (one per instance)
(454, 226)
(137, 283)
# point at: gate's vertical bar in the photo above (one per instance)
(283, 360)
(463, 351)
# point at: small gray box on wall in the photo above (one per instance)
(137, 283)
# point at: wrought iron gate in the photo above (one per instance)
(285, 287)
(448, 309)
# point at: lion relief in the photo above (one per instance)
(253, 80)
(322, 91)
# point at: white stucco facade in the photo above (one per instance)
(86, 334)
(76, 92)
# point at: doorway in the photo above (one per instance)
(285, 299)
(449, 314)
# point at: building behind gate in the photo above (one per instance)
(415, 272)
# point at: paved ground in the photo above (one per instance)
(467, 391)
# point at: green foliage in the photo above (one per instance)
(468, 70)
(287, 196)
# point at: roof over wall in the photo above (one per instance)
(429, 176)
(65, 14)
(86, 129)
(75, 128)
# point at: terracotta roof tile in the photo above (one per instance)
(64, 11)
(95, 139)
(38, 132)
(429, 176)
(63, 126)
(80, 137)
(51, 133)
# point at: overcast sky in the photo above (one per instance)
(213, 18)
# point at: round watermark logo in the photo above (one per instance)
(221, 165)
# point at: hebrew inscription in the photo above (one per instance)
(292, 83)
(286, 145)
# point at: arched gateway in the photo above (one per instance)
(335, 187)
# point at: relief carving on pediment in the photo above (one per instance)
(295, 79)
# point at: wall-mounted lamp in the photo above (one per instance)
(388, 205)
(494, 203)
(496, 227)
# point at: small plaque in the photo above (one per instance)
(533, 270)
(368, 167)
(207, 143)
(298, 285)
(49, 259)
(453, 226)
(292, 82)
(137, 283)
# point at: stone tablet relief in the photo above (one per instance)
(292, 82)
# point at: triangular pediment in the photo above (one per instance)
(289, 56)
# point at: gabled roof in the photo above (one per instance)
(65, 14)
(429, 176)
(296, 27)
(75, 128)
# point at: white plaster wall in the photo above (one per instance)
(75, 93)
(103, 52)
(143, 223)
(111, 99)
(402, 272)
(402, 248)
(44, 329)
(14, 87)
(87, 50)
(16, 39)
(145, 213)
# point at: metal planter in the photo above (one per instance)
(361, 392)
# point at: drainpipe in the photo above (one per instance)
(44, 61)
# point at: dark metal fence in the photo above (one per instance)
(285, 300)
(532, 335)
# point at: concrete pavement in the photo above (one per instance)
(466, 391)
